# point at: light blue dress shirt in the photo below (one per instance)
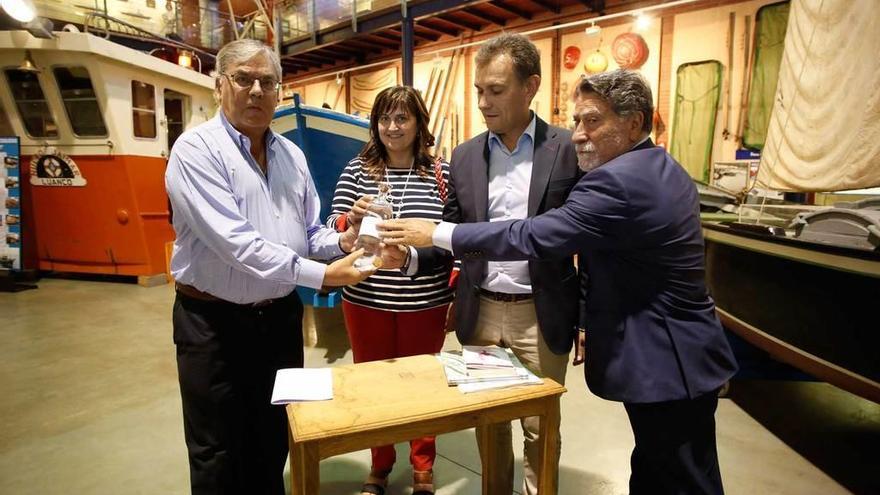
(244, 236)
(510, 175)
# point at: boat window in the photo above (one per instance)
(80, 101)
(5, 126)
(143, 108)
(31, 103)
(175, 105)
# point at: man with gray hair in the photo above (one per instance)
(246, 219)
(519, 168)
(653, 339)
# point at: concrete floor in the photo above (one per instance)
(91, 406)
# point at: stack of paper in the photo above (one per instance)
(302, 384)
(485, 367)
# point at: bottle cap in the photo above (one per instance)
(384, 192)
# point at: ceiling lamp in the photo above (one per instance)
(642, 22)
(20, 10)
(28, 65)
(185, 59)
(593, 30)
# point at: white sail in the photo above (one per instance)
(824, 132)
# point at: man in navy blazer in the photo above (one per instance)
(653, 340)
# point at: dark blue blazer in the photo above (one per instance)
(652, 332)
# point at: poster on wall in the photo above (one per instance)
(365, 87)
(10, 205)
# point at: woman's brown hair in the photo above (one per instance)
(374, 154)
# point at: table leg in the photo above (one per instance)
(488, 444)
(305, 476)
(549, 431)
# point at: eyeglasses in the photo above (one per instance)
(400, 120)
(246, 81)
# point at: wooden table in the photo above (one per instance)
(396, 400)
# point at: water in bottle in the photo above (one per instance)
(368, 235)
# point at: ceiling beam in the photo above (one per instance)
(365, 45)
(479, 14)
(546, 5)
(419, 35)
(389, 34)
(440, 29)
(501, 4)
(425, 33)
(293, 65)
(385, 18)
(463, 24)
(597, 6)
(314, 57)
(382, 40)
(307, 64)
(338, 51)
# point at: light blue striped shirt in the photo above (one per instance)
(242, 236)
(510, 175)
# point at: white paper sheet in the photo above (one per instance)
(302, 384)
(467, 388)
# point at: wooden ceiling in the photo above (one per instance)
(377, 35)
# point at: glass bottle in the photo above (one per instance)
(368, 236)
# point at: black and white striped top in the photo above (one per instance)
(419, 198)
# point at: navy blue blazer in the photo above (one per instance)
(652, 332)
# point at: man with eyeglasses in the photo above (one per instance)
(654, 341)
(246, 217)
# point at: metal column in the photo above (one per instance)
(407, 44)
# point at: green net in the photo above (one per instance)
(770, 25)
(698, 89)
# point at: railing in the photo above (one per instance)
(209, 28)
(103, 24)
(301, 17)
(197, 27)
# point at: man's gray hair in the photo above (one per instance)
(239, 51)
(626, 92)
(526, 59)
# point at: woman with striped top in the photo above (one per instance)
(392, 314)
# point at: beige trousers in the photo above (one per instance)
(515, 326)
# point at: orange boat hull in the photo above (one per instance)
(115, 224)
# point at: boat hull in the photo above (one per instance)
(329, 140)
(116, 224)
(809, 306)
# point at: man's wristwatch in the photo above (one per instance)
(406, 261)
